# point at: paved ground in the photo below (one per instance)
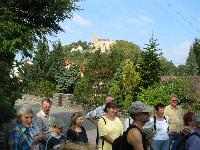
(92, 136)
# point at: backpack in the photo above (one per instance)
(182, 143)
(121, 142)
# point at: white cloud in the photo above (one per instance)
(82, 21)
(179, 53)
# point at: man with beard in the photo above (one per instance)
(43, 114)
(140, 113)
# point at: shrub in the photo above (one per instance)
(161, 92)
(41, 88)
(6, 110)
(66, 79)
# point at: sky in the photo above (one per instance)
(175, 23)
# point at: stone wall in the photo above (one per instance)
(61, 102)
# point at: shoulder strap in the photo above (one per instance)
(97, 138)
(129, 121)
(154, 122)
(166, 122)
(134, 126)
(103, 119)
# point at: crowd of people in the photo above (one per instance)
(146, 128)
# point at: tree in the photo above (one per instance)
(161, 92)
(97, 73)
(10, 87)
(100, 68)
(123, 50)
(124, 83)
(150, 67)
(37, 77)
(195, 62)
(22, 24)
(167, 67)
(66, 79)
(55, 61)
(182, 70)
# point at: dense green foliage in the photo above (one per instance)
(124, 71)
(161, 92)
(42, 88)
(167, 67)
(191, 63)
(22, 24)
(124, 83)
(196, 50)
(106, 71)
(150, 67)
(66, 79)
(10, 86)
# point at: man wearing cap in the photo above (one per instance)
(175, 115)
(140, 113)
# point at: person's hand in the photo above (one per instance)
(186, 130)
(39, 137)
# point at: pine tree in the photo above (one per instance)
(150, 67)
(196, 49)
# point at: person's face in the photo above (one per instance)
(46, 106)
(80, 120)
(112, 112)
(26, 119)
(173, 101)
(160, 111)
(143, 117)
(58, 130)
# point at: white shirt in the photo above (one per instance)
(127, 122)
(162, 126)
(44, 118)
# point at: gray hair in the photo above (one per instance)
(24, 109)
(173, 95)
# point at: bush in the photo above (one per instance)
(87, 94)
(41, 88)
(161, 92)
(6, 110)
(81, 91)
(66, 79)
(124, 84)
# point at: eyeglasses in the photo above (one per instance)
(174, 100)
